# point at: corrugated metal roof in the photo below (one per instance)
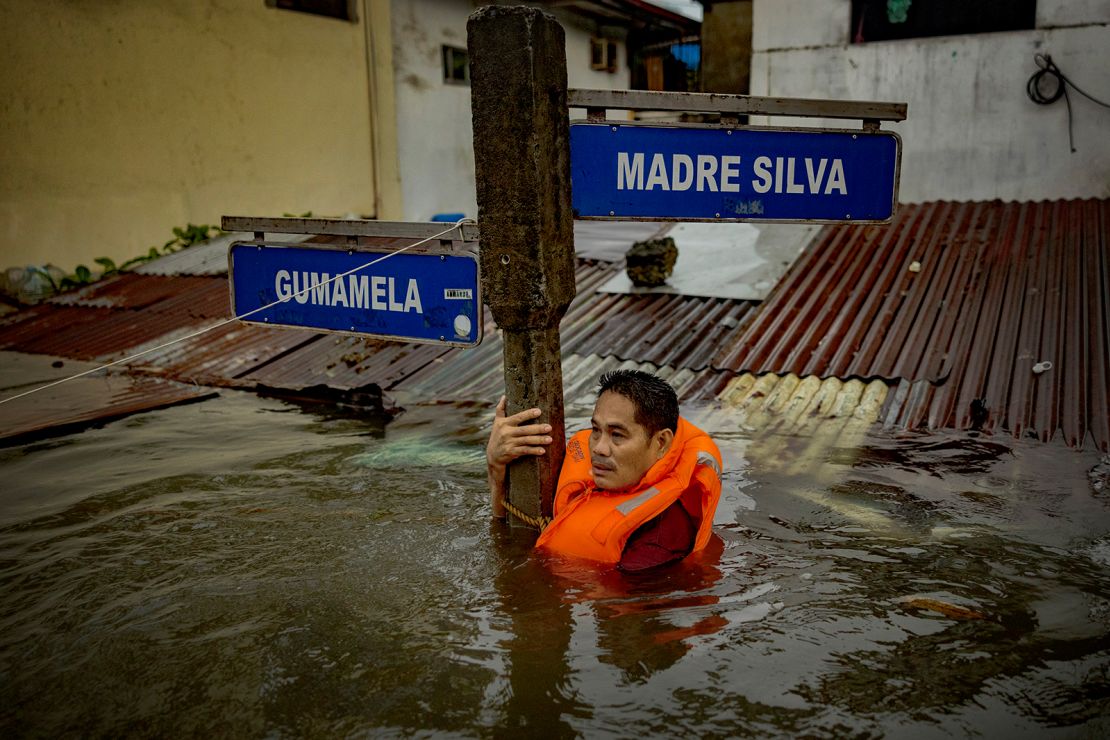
(127, 291)
(484, 381)
(658, 329)
(610, 240)
(206, 258)
(196, 297)
(594, 240)
(662, 329)
(87, 402)
(113, 316)
(580, 374)
(11, 322)
(1001, 287)
(345, 362)
(223, 355)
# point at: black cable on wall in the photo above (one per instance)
(1049, 84)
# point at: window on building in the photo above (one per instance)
(342, 9)
(456, 66)
(886, 20)
(603, 55)
(668, 65)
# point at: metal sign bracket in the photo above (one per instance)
(732, 106)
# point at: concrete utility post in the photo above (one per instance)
(518, 92)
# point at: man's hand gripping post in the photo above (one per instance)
(512, 437)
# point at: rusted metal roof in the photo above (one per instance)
(131, 291)
(222, 356)
(84, 333)
(949, 307)
(115, 316)
(966, 297)
(345, 362)
(661, 330)
(206, 258)
(88, 402)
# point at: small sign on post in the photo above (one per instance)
(724, 173)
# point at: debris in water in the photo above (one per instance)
(942, 607)
(980, 412)
(1100, 475)
(366, 397)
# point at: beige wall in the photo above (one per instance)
(120, 119)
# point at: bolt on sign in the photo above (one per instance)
(720, 173)
(412, 297)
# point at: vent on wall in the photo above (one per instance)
(603, 55)
(456, 66)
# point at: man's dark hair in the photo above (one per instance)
(654, 399)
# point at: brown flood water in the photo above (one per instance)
(244, 567)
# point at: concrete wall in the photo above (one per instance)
(121, 119)
(971, 133)
(435, 141)
(726, 47)
(579, 75)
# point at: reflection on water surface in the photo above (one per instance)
(246, 567)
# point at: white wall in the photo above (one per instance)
(1052, 13)
(579, 74)
(971, 131)
(434, 137)
(434, 145)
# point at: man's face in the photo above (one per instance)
(620, 449)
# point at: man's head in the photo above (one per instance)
(634, 422)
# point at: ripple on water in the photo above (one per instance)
(300, 573)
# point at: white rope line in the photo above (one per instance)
(240, 317)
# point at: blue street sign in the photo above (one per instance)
(408, 297)
(715, 173)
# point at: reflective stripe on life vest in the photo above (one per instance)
(626, 507)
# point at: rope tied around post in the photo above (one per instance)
(539, 522)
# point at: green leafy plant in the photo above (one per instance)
(81, 276)
(183, 237)
(189, 236)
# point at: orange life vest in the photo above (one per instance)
(595, 524)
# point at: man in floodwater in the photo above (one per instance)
(638, 488)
